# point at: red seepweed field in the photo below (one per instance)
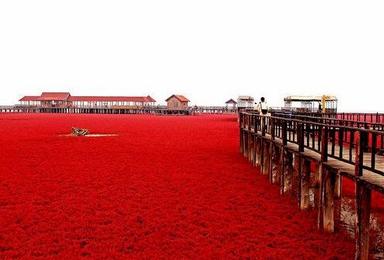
(164, 187)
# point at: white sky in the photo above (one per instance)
(209, 51)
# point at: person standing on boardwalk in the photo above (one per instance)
(262, 108)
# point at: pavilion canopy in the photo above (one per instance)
(308, 98)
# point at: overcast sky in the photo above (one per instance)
(209, 51)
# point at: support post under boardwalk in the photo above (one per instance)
(245, 142)
(282, 169)
(270, 162)
(266, 157)
(276, 163)
(338, 186)
(259, 151)
(261, 154)
(250, 145)
(254, 150)
(296, 187)
(249, 150)
(328, 199)
(363, 210)
(289, 170)
(256, 147)
(316, 184)
(241, 138)
(304, 183)
(286, 170)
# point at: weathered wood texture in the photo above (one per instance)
(284, 149)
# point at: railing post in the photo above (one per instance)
(364, 136)
(284, 131)
(324, 144)
(300, 136)
(272, 120)
(256, 123)
(263, 126)
(341, 141)
(373, 150)
(359, 153)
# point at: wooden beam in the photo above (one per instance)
(328, 199)
(246, 143)
(363, 209)
(250, 142)
(338, 186)
(304, 183)
(286, 170)
(258, 149)
(270, 162)
(261, 164)
(320, 193)
(276, 163)
(296, 177)
(254, 149)
(359, 153)
(266, 157)
(282, 170)
(241, 135)
(289, 169)
(324, 144)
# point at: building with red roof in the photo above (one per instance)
(64, 99)
(177, 102)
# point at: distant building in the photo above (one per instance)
(231, 104)
(64, 99)
(245, 102)
(323, 103)
(177, 102)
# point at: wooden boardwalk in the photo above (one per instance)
(308, 157)
(157, 110)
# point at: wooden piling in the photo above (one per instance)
(296, 178)
(266, 157)
(328, 181)
(270, 162)
(363, 208)
(305, 183)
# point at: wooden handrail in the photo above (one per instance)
(322, 134)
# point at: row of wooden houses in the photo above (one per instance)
(66, 100)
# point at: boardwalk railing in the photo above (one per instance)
(341, 131)
(285, 148)
(334, 120)
(363, 117)
(371, 117)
